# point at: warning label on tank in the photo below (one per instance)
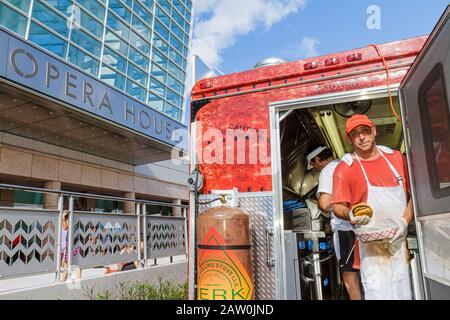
(221, 276)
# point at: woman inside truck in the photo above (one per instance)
(321, 159)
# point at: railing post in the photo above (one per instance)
(59, 237)
(144, 213)
(138, 213)
(70, 239)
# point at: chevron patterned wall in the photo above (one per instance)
(102, 239)
(28, 241)
(165, 237)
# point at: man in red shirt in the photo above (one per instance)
(377, 176)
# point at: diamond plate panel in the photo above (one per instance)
(28, 241)
(260, 209)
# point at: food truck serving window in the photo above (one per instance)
(436, 130)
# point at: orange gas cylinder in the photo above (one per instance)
(224, 269)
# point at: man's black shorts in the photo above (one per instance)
(347, 250)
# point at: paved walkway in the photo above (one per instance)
(28, 282)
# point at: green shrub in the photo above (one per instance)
(164, 290)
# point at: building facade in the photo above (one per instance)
(92, 96)
(138, 46)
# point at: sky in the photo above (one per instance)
(233, 35)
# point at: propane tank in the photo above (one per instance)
(224, 269)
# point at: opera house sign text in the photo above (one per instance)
(31, 67)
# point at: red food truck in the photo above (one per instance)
(249, 134)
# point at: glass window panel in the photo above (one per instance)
(139, 43)
(185, 51)
(158, 73)
(176, 71)
(91, 24)
(177, 31)
(175, 56)
(64, 6)
(138, 58)
(147, 3)
(159, 58)
(93, 7)
(23, 5)
(173, 98)
(83, 60)
(176, 44)
(128, 2)
(177, 18)
(140, 27)
(113, 59)
(187, 28)
(159, 43)
(177, 4)
(162, 16)
(120, 9)
(164, 4)
(137, 74)
(50, 18)
(172, 112)
(47, 40)
(157, 87)
(86, 41)
(113, 77)
(135, 90)
(115, 42)
(435, 117)
(12, 20)
(161, 30)
(118, 26)
(188, 16)
(141, 12)
(188, 4)
(174, 84)
(156, 102)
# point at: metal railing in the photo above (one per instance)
(32, 240)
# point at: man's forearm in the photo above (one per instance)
(341, 211)
(409, 215)
(324, 202)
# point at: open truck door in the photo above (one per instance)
(426, 115)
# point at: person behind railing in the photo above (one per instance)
(65, 247)
(125, 266)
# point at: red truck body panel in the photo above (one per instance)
(241, 101)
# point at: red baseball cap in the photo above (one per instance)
(357, 120)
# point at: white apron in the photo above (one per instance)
(384, 274)
(339, 225)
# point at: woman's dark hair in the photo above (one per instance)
(324, 155)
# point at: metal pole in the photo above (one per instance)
(70, 239)
(185, 233)
(59, 237)
(144, 213)
(138, 211)
(317, 276)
